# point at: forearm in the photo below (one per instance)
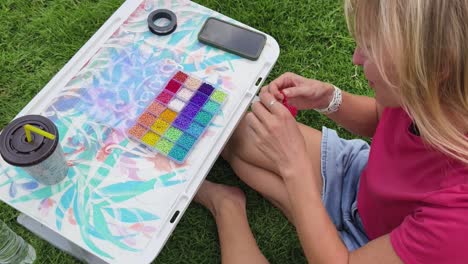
(318, 235)
(357, 114)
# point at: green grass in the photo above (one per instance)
(37, 37)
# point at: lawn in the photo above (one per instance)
(37, 37)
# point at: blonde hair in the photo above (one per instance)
(428, 43)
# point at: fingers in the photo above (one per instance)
(255, 124)
(272, 90)
(286, 80)
(297, 91)
(261, 112)
(265, 89)
(272, 104)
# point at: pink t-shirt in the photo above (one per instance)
(415, 194)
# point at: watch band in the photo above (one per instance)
(334, 104)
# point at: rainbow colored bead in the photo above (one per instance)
(179, 115)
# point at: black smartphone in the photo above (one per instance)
(232, 38)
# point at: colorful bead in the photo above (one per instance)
(203, 118)
(211, 107)
(185, 94)
(164, 146)
(178, 116)
(190, 111)
(146, 119)
(195, 129)
(199, 99)
(192, 83)
(164, 97)
(178, 153)
(176, 105)
(137, 131)
(173, 86)
(173, 134)
(182, 122)
(168, 115)
(218, 96)
(150, 138)
(186, 141)
(206, 89)
(156, 108)
(160, 126)
(180, 77)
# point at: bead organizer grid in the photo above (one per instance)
(178, 116)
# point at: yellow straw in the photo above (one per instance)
(29, 128)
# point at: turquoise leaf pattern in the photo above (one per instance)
(100, 224)
(64, 204)
(133, 215)
(120, 192)
(166, 179)
(42, 193)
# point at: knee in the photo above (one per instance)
(229, 152)
(233, 146)
(226, 153)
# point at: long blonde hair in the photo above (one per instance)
(428, 43)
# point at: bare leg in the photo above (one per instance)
(227, 204)
(256, 171)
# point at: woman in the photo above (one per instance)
(402, 200)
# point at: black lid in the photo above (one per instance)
(164, 30)
(14, 147)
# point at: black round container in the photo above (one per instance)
(42, 158)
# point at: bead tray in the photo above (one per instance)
(179, 115)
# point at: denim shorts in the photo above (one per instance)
(342, 163)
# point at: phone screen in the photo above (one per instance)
(232, 38)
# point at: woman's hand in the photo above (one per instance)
(301, 92)
(277, 134)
